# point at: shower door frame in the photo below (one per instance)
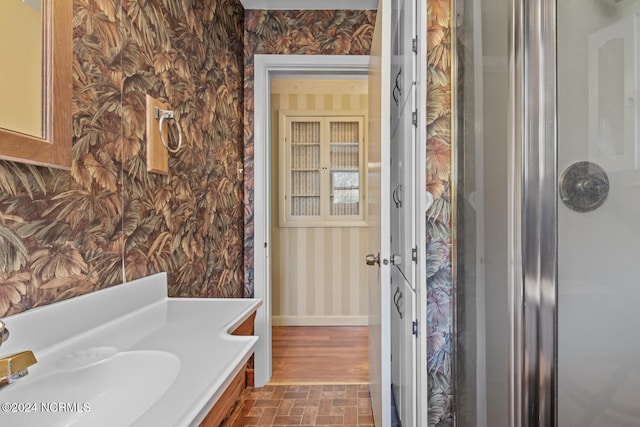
(532, 157)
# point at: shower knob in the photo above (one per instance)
(584, 186)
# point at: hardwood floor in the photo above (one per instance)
(320, 355)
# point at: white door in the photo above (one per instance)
(378, 202)
(404, 236)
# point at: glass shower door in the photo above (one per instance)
(598, 46)
(569, 113)
(483, 310)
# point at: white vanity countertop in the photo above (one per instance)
(138, 315)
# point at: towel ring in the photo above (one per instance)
(168, 114)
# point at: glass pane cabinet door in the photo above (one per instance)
(344, 167)
(305, 169)
(322, 172)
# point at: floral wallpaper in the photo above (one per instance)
(189, 223)
(440, 286)
(66, 233)
(302, 32)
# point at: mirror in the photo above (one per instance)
(21, 85)
(36, 127)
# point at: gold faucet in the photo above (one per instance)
(4, 332)
(14, 366)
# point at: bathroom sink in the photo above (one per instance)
(127, 355)
(94, 387)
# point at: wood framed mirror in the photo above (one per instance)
(53, 147)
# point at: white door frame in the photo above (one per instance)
(422, 206)
(264, 67)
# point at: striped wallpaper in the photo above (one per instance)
(318, 274)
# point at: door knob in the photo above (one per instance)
(373, 259)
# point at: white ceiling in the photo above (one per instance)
(310, 4)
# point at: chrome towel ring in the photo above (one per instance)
(167, 114)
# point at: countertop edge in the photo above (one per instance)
(210, 397)
(217, 392)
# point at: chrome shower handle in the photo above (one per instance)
(584, 186)
(592, 185)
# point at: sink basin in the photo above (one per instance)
(95, 387)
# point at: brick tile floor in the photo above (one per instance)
(309, 405)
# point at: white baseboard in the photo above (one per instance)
(319, 320)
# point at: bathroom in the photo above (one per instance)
(106, 220)
(109, 219)
(102, 219)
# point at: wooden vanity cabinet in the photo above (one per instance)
(246, 328)
(229, 409)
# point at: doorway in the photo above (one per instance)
(266, 67)
(318, 227)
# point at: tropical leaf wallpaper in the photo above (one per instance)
(66, 233)
(60, 231)
(440, 285)
(189, 223)
(302, 32)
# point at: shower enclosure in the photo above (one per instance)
(548, 213)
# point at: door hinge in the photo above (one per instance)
(265, 244)
(414, 118)
(414, 327)
(414, 254)
(414, 45)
